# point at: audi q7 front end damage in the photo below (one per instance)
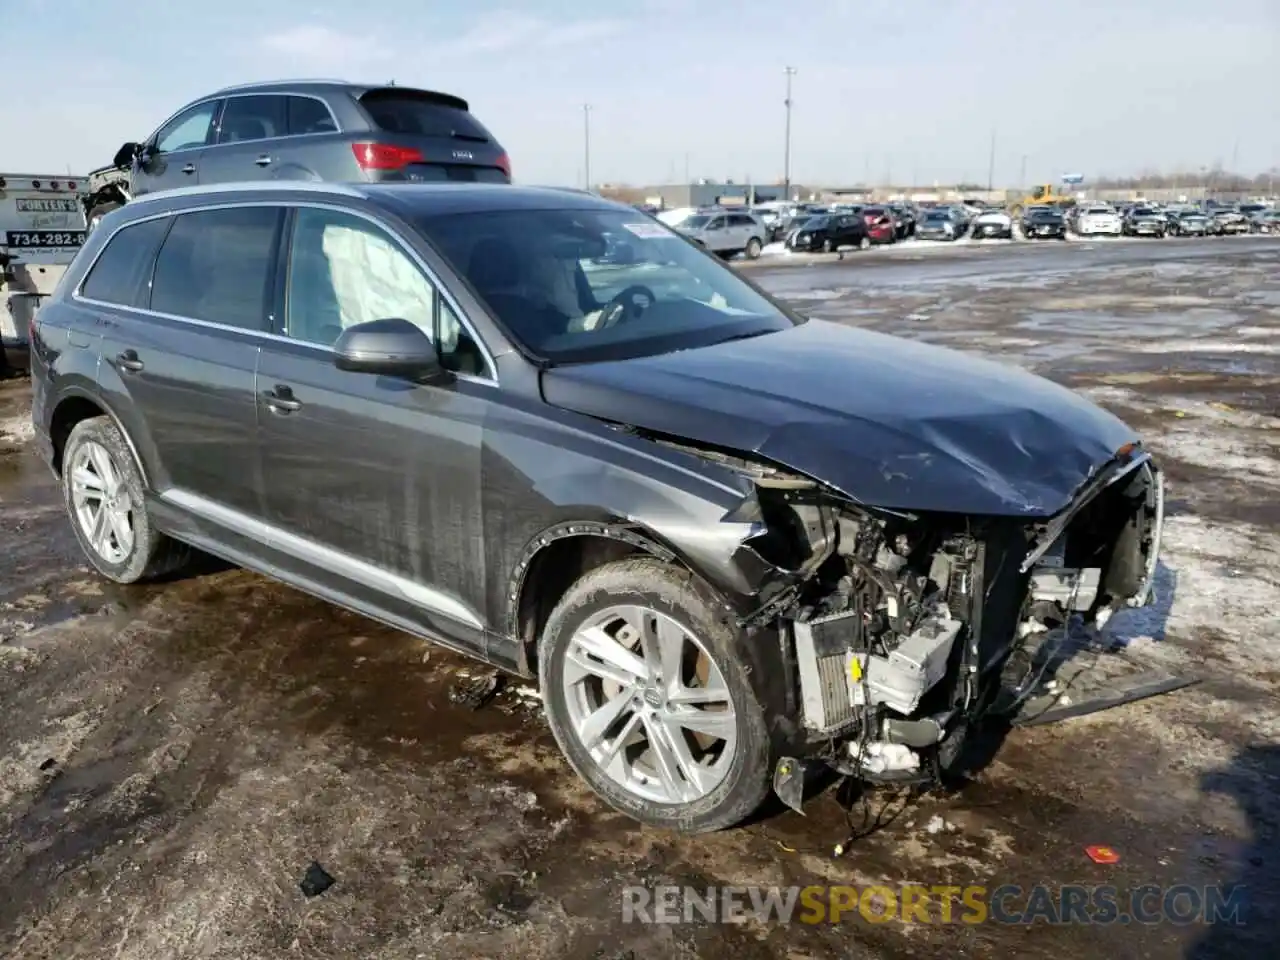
(925, 514)
(894, 627)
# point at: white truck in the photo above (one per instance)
(42, 227)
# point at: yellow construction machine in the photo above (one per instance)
(1042, 195)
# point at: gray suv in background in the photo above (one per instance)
(305, 130)
(725, 232)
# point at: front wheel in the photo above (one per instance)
(96, 214)
(649, 698)
(103, 490)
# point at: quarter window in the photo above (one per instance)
(188, 129)
(309, 116)
(121, 270)
(216, 265)
(252, 118)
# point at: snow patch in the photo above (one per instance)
(19, 429)
(1206, 346)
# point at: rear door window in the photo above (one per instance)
(121, 271)
(217, 266)
(307, 115)
(400, 111)
(252, 118)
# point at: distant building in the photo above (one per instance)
(706, 194)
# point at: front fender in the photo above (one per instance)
(546, 473)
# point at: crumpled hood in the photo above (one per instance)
(889, 422)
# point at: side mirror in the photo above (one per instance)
(389, 348)
(125, 155)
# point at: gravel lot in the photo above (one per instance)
(172, 757)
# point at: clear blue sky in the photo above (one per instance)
(911, 87)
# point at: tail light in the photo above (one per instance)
(504, 164)
(384, 156)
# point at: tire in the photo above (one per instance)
(753, 249)
(674, 595)
(828, 245)
(98, 212)
(150, 553)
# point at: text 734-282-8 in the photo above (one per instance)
(43, 239)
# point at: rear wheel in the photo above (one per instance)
(753, 249)
(103, 490)
(649, 699)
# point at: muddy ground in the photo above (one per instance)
(172, 757)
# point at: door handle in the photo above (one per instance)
(129, 361)
(263, 160)
(189, 168)
(281, 400)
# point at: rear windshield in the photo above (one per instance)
(421, 114)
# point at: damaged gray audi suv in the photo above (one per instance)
(543, 430)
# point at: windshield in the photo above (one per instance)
(934, 216)
(599, 284)
(1144, 212)
(1098, 210)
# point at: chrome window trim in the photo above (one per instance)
(337, 127)
(78, 296)
(213, 98)
(421, 595)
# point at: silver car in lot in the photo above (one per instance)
(725, 232)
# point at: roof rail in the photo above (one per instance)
(273, 83)
(254, 186)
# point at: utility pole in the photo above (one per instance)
(991, 163)
(586, 145)
(786, 156)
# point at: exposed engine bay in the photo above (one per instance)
(896, 626)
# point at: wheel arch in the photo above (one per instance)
(75, 406)
(555, 559)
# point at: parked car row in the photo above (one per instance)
(828, 228)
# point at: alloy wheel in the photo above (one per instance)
(101, 501)
(649, 705)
